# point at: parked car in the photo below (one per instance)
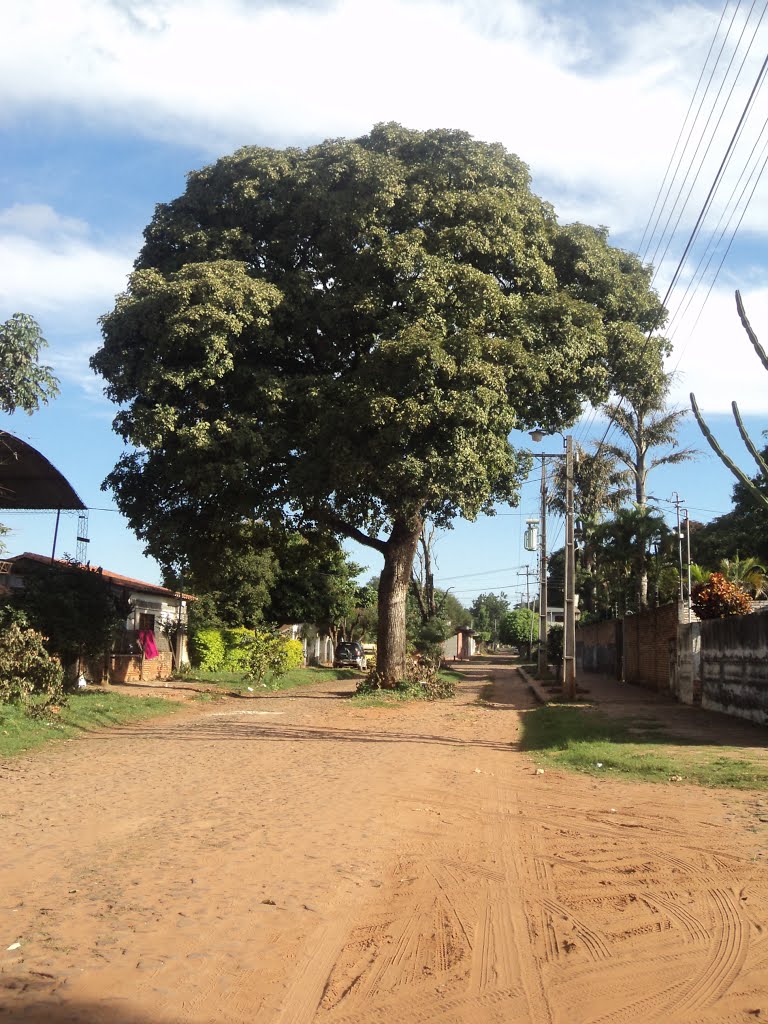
(349, 654)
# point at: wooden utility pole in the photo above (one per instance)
(542, 659)
(569, 623)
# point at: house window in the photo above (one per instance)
(146, 621)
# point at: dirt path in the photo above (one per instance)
(294, 859)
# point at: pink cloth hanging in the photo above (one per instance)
(147, 643)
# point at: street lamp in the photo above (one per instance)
(568, 677)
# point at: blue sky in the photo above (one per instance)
(105, 105)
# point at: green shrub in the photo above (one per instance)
(257, 654)
(267, 656)
(236, 641)
(208, 649)
(294, 655)
(555, 645)
(29, 676)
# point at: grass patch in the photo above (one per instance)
(233, 682)
(83, 712)
(581, 739)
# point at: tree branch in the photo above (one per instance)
(351, 531)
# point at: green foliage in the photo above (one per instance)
(348, 334)
(236, 642)
(518, 627)
(294, 655)
(75, 608)
(555, 638)
(208, 649)
(316, 581)
(488, 613)
(24, 382)
(267, 657)
(718, 598)
(258, 655)
(29, 676)
(627, 544)
(745, 528)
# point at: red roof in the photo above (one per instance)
(121, 581)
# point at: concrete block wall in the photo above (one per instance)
(598, 647)
(734, 666)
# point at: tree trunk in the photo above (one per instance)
(393, 592)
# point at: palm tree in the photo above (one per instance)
(748, 573)
(645, 421)
(630, 545)
(646, 425)
(600, 486)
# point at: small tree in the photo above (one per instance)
(719, 598)
(518, 627)
(29, 676)
(76, 609)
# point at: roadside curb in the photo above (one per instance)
(535, 687)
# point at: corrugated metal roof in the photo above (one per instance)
(29, 480)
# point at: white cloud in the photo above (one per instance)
(714, 355)
(594, 111)
(49, 264)
(38, 219)
(229, 72)
(51, 267)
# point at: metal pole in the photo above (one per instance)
(55, 535)
(676, 499)
(542, 660)
(688, 560)
(569, 624)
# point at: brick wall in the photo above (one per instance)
(127, 668)
(650, 646)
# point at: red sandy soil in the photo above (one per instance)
(294, 859)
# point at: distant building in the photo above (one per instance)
(460, 646)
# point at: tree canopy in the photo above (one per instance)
(24, 382)
(344, 336)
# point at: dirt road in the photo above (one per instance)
(293, 859)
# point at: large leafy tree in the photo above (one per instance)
(344, 336)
